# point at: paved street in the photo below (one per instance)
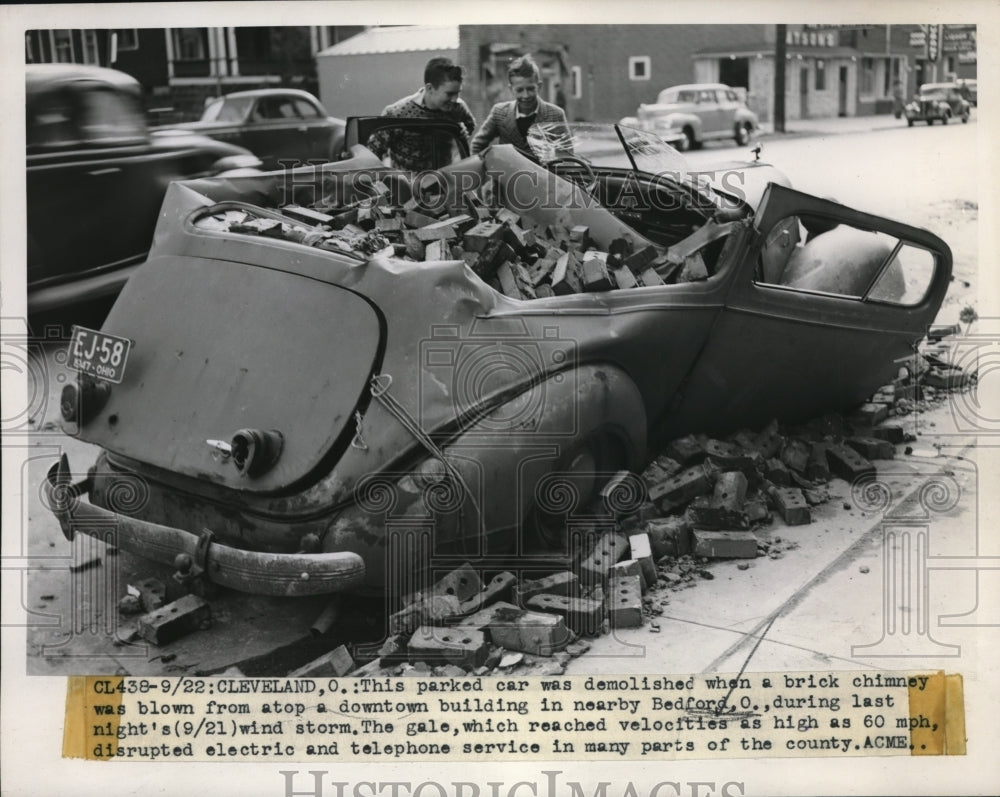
(812, 606)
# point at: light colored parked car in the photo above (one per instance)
(698, 112)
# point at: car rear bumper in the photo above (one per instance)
(260, 573)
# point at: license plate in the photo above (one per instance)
(98, 354)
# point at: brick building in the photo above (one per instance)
(606, 71)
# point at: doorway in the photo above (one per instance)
(804, 93)
(842, 92)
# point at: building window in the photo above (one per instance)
(638, 67)
(29, 48)
(576, 82)
(820, 76)
(128, 39)
(91, 55)
(62, 46)
(190, 44)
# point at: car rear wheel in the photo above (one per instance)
(909, 123)
(572, 485)
(687, 142)
(742, 134)
(945, 118)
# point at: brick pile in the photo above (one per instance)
(507, 250)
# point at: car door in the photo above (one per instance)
(709, 112)
(728, 103)
(317, 127)
(410, 144)
(275, 132)
(826, 305)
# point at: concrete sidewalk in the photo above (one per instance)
(834, 126)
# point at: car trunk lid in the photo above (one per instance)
(221, 347)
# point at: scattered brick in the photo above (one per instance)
(868, 415)
(777, 472)
(561, 583)
(624, 603)
(892, 433)
(792, 506)
(498, 588)
(678, 490)
(725, 544)
(685, 450)
(846, 463)
(174, 620)
(818, 468)
(642, 551)
(669, 536)
(462, 646)
(582, 615)
(434, 609)
(610, 549)
(630, 567)
(337, 662)
(872, 447)
(795, 454)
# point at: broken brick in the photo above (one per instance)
(496, 589)
(518, 629)
(431, 610)
(848, 464)
(624, 278)
(562, 583)
(480, 236)
(818, 468)
(893, 433)
(669, 536)
(681, 488)
(436, 250)
(792, 506)
(581, 615)
(152, 594)
(725, 544)
(624, 603)
(306, 215)
(725, 511)
(630, 567)
(337, 662)
(415, 218)
(685, 450)
(768, 441)
(872, 447)
(462, 646)
(795, 454)
(649, 278)
(642, 551)
(639, 261)
(174, 620)
(595, 274)
(776, 472)
(565, 276)
(869, 415)
(610, 549)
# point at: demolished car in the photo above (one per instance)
(322, 378)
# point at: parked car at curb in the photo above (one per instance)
(292, 397)
(942, 101)
(698, 112)
(968, 88)
(96, 180)
(277, 125)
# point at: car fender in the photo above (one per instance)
(499, 471)
(744, 115)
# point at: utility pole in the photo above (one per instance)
(779, 78)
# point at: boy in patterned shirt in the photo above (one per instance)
(438, 99)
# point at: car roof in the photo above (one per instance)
(269, 93)
(38, 76)
(697, 86)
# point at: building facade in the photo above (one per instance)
(179, 68)
(598, 72)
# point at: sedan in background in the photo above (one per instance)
(937, 101)
(277, 125)
(687, 116)
(96, 179)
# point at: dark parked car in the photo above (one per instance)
(942, 101)
(275, 124)
(299, 407)
(96, 180)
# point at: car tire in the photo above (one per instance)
(742, 134)
(909, 123)
(965, 118)
(687, 142)
(945, 118)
